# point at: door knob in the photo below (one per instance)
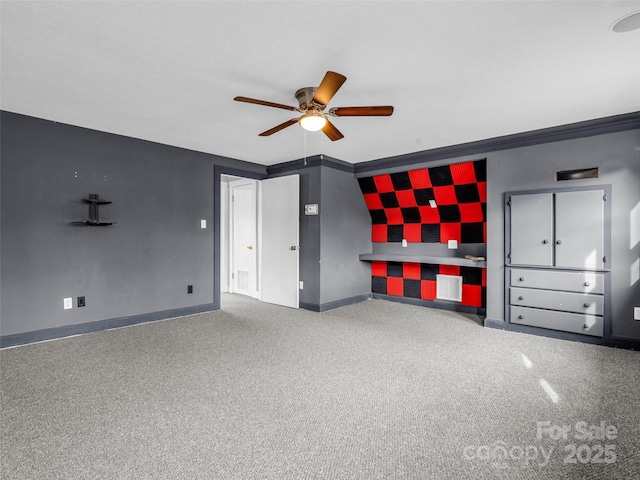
(545, 241)
(520, 297)
(559, 242)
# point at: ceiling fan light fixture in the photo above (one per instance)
(313, 121)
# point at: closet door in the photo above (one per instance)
(580, 229)
(532, 229)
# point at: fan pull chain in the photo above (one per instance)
(305, 148)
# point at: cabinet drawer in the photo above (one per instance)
(565, 301)
(583, 282)
(566, 322)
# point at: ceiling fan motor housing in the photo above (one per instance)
(305, 97)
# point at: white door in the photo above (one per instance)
(280, 218)
(243, 237)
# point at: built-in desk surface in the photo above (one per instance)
(395, 257)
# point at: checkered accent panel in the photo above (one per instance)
(418, 280)
(400, 204)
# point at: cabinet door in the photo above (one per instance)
(580, 229)
(532, 229)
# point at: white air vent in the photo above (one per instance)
(449, 287)
(243, 280)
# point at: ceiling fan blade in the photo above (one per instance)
(379, 111)
(330, 84)
(263, 102)
(273, 130)
(332, 132)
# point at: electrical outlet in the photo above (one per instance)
(404, 242)
(189, 288)
(636, 313)
(301, 285)
(81, 302)
(68, 303)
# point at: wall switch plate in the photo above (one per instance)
(81, 302)
(311, 209)
(404, 242)
(189, 288)
(301, 285)
(452, 244)
(68, 303)
(203, 224)
(636, 313)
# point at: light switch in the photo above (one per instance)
(311, 209)
(68, 303)
(203, 224)
(404, 242)
(452, 244)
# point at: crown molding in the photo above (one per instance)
(617, 123)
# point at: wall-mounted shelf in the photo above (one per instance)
(94, 202)
(394, 257)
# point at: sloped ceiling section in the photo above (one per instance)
(455, 72)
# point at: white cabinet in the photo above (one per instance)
(556, 260)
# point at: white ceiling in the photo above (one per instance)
(455, 71)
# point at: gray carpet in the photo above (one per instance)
(377, 390)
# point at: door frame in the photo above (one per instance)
(218, 171)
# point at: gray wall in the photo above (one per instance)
(139, 266)
(345, 234)
(618, 157)
(143, 264)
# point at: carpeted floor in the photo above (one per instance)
(377, 390)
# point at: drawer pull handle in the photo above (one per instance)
(585, 327)
(521, 317)
(520, 297)
(521, 279)
(587, 305)
(559, 242)
(586, 284)
(545, 241)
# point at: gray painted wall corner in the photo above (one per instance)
(345, 234)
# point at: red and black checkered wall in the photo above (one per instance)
(399, 204)
(418, 280)
(400, 208)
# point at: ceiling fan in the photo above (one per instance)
(312, 103)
